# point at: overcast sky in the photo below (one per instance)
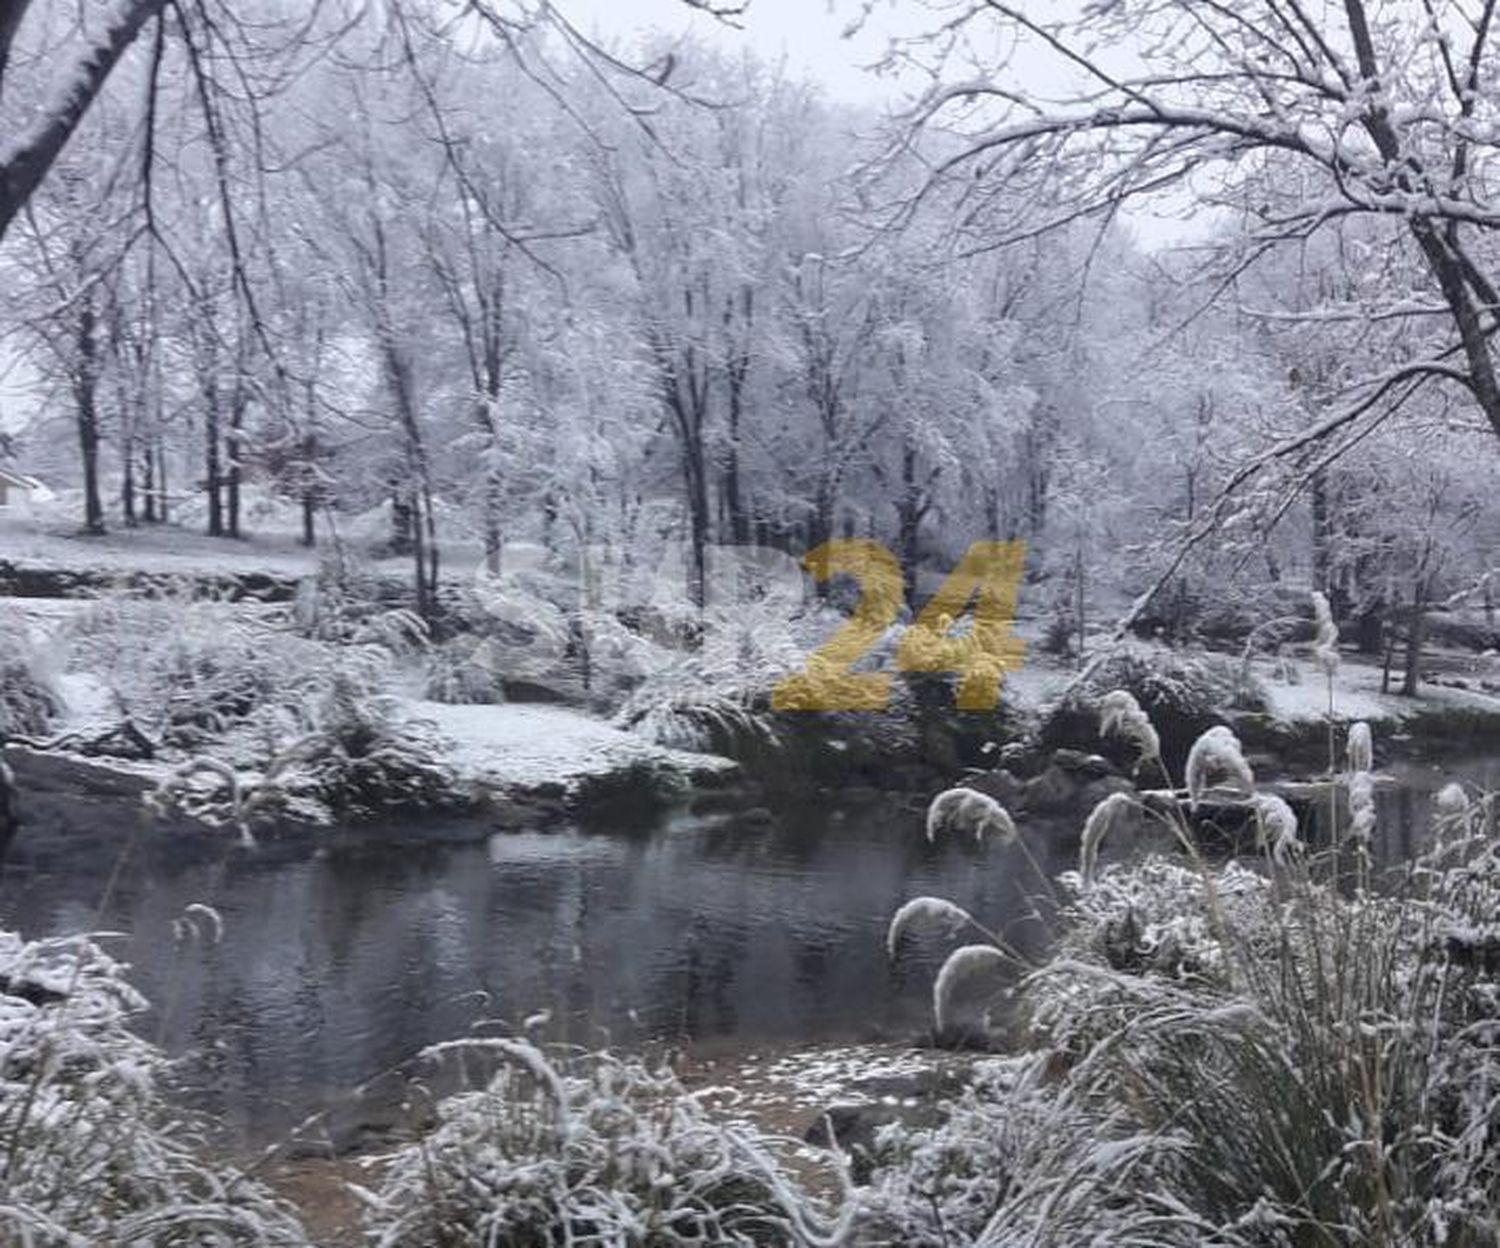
(807, 32)
(810, 35)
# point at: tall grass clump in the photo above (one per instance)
(569, 1148)
(190, 672)
(1291, 1048)
(1021, 1158)
(358, 756)
(90, 1151)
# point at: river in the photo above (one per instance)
(342, 959)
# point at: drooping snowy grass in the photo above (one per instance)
(564, 1148)
(970, 813)
(91, 1151)
(1216, 757)
(1238, 1053)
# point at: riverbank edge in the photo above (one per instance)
(637, 787)
(649, 781)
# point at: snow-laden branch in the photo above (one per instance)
(26, 160)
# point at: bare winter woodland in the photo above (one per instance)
(379, 371)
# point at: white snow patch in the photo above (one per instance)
(524, 745)
(1356, 696)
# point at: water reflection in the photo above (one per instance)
(342, 961)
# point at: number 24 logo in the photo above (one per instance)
(989, 575)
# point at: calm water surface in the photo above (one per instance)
(340, 961)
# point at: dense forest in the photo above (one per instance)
(509, 285)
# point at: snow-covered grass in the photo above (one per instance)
(1283, 1051)
(50, 537)
(1246, 1053)
(566, 1148)
(30, 698)
(52, 540)
(91, 1150)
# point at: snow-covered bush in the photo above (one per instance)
(90, 1151)
(358, 755)
(1334, 1069)
(459, 672)
(1136, 929)
(364, 758)
(1223, 1057)
(714, 692)
(1183, 693)
(1020, 1159)
(186, 672)
(1278, 1053)
(1193, 684)
(28, 698)
(517, 629)
(572, 1149)
(343, 606)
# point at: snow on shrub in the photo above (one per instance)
(1018, 1159)
(364, 757)
(712, 692)
(90, 1151)
(187, 672)
(574, 1149)
(1131, 928)
(1150, 705)
(28, 698)
(360, 757)
(459, 672)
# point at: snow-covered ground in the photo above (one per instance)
(1357, 695)
(520, 745)
(48, 536)
(55, 543)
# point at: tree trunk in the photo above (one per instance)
(1081, 589)
(1416, 630)
(127, 485)
(1322, 531)
(695, 478)
(85, 394)
(234, 445)
(416, 489)
(309, 490)
(494, 485)
(162, 501)
(88, 443)
(212, 469)
(148, 485)
(909, 519)
(11, 14)
(492, 532)
(402, 537)
(734, 503)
